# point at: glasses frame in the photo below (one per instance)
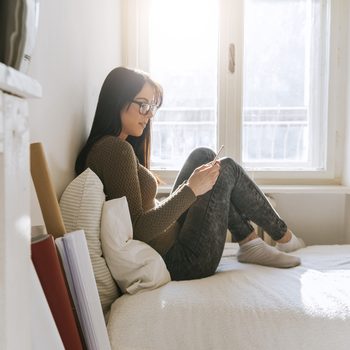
(145, 107)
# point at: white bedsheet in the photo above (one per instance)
(244, 306)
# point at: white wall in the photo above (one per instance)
(317, 218)
(346, 175)
(347, 220)
(78, 43)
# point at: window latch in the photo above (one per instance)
(231, 58)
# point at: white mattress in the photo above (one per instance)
(244, 306)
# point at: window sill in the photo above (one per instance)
(294, 189)
(321, 189)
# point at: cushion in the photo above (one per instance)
(81, 206)
(134, 264)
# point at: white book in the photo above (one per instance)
(80, 277)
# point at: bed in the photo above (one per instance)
(242, 306)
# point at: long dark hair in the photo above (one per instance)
(118, 90)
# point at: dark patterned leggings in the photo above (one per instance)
(232, 203)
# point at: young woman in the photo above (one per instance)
(189, 227)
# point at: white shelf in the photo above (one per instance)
(17, 83)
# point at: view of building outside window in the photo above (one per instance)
(183, 58)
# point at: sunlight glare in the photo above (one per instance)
(324, 292)
(185, 24)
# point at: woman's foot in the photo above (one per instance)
(291, 244)
(256, 251)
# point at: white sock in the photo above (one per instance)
(295, 243)
(258, 252)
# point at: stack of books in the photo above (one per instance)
(48, 268)
(77, 274)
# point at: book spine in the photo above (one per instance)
(49, 271)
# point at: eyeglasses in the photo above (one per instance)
(146, 107)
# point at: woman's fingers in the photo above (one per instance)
(201, 168)
(212, 173)
(204, 177)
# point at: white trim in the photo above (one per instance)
(337, 88)
(230, 84)
(305, 189)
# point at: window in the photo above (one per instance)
(250, 74)
(183, 39)
(285, 77)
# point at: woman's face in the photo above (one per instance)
(133, 122)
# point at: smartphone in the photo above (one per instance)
(217, 155)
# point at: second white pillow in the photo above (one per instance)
(133, 264)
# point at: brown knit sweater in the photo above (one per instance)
(115, 163)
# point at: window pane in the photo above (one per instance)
(284, 77)
(183, 58)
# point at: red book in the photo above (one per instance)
(48, 268)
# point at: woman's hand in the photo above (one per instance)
(204, 177)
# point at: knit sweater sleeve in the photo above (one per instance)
(118, 169)
(151, 224)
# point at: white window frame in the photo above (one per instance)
(135, 54)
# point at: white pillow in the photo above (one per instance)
(81, 207)
(134, 264)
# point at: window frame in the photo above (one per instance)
(230, 88)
